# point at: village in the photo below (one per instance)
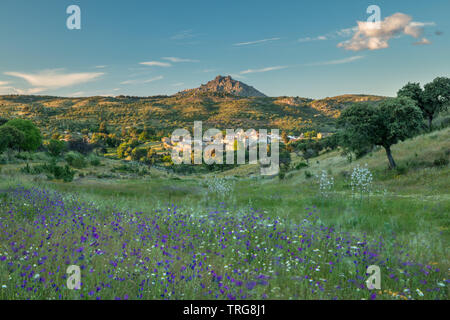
(181, 143)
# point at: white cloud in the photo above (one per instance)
(100, 67)
(255, 42)
(156, 64)
(422, 41)
(175, 59)
(340, 61)
(178, 84)
(53, 79)
(3, 83)
(142, 81)
(6, 90)
(346, 32)
(77, 94)
(237, 76)
(13, 90)
(28, 91)
(262, 70)
(372, 37)
(309, 39)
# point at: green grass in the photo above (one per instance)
(412, 207)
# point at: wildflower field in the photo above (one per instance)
(308, 236)
(216, 254)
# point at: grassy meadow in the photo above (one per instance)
(233, 235)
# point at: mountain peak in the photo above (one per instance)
(228, 85)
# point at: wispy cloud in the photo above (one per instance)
(53, 79)
(156, 64)
(176, 60)
(262, 70)
(28, 91)
(100, 67)
(345, 32)
(370, 36)
(309, 39)
(178, 84)
(6, 89)
(255, 42)
(184, 34)
(141, 81)
(77, 94)
(332, 62)
(237, 76)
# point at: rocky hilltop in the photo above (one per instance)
(227, 85)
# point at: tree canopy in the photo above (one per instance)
(434, 98)
(10, 137)
(32, 139)
(385, 124)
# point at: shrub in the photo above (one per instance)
(24, 156)
(80, 145)
(138, 154)
(361, 180)
(401, 169)
(326, 183)
(122, 150)
(441, 162)
(76, 160)
(94, 160)
(301, 165)
(56, 147)
(52, 170)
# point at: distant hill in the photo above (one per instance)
(217, 109)
(226, 85)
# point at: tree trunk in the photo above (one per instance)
(430, 122)
(392, 164)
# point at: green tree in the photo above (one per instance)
(10, 137)
(436, 98)
(310, 134)
(33, 138)
(103, 128)
(138, 154)
(56, 147)
(284, 137)
(433, 99)
(414, 91)
(122, 150)
(393, 120)
(284, 161)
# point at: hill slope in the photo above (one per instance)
(227, 85)
(215, 109)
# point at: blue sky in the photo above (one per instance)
(297, 48)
